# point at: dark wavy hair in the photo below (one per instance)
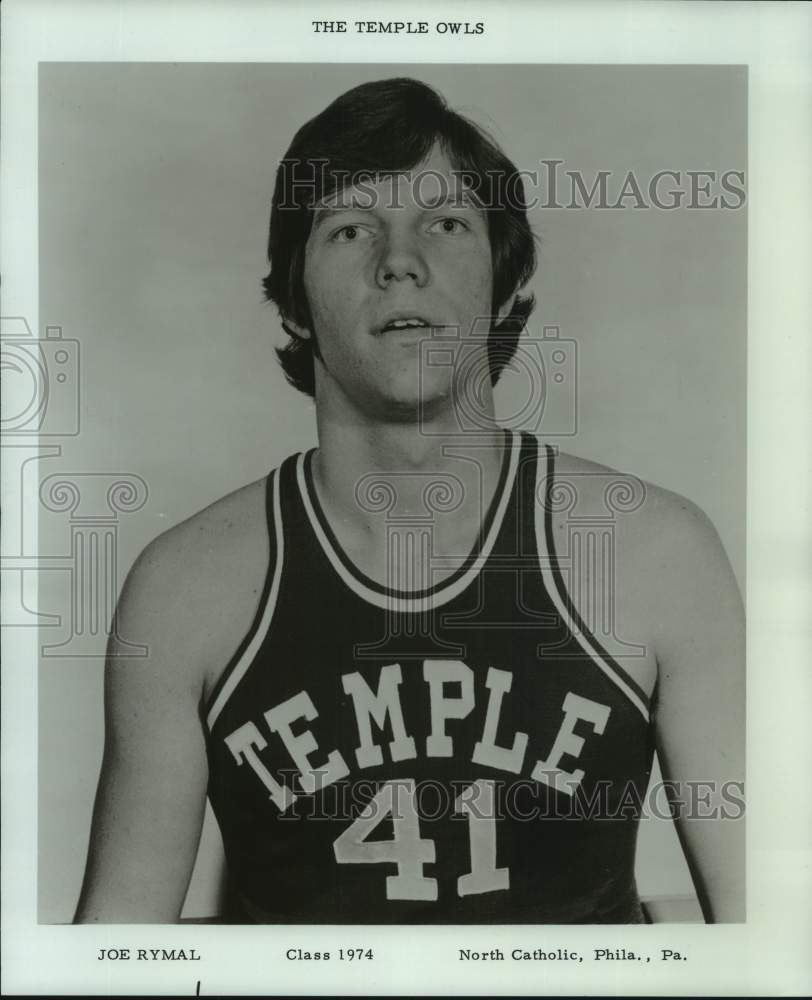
(377, 129)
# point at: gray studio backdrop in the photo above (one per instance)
(154, 192)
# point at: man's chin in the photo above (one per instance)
(410, 399)
(414, 407)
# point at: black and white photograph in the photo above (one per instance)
(381, 459)
(433, 647)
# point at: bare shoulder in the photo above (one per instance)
(650, 519)
(217, 531)
(194, 589)
(669, 567)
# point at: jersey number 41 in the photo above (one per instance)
(409, 851)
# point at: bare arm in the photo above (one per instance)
(151, 795)
(699, 713)
(190, 597)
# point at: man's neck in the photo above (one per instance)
(405, 455)
(371, 477)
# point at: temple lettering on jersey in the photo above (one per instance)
(318, 768)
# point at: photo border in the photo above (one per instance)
(769, 953)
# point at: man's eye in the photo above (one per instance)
(350, 234)
(448, 226)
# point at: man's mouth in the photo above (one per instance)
(406, 323)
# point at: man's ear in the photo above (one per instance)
(300, 331)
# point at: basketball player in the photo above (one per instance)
(379, 661)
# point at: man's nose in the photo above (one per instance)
(401, 259)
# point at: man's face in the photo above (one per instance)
(387, 265)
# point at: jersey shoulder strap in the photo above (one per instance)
(248, 648)
(555, 565)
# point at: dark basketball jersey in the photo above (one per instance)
(467, 753)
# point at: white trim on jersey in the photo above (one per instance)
(557, 598)
(394, 602)
(253, 647)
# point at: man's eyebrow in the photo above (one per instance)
(323, 213)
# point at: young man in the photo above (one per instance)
(380, 661)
